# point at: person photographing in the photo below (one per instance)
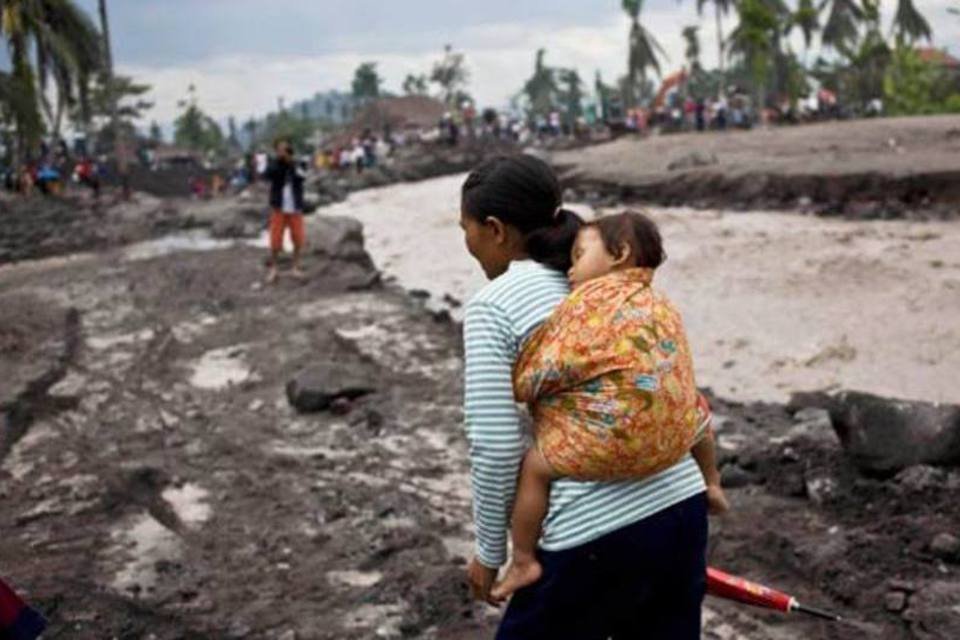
(286, 203)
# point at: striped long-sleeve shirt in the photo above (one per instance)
(497, 321)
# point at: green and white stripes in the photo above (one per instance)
(497, 321)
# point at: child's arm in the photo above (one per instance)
(705, 453)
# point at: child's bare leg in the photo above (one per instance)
(705, 453)
(529, 510)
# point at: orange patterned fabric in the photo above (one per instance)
(609, 381)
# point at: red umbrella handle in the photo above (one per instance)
(736, 588)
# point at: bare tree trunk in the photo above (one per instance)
(58, 118)
(721, 89)
(119, 139)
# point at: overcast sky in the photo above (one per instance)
(244, 54)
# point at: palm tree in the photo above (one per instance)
(753, 41)
(841, 28)
(807, 19)
(571, 95)
(65, 47)
(643, 49)
(909, 24)
(721, 7)
(692, 52)
(541, 88)
(782, 65)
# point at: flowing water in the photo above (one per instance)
(774, 302)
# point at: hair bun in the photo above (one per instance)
(551, 245)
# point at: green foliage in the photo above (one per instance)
(541, 89)
(131, 104)
(414, 85)
(912, 86)
(451, 74)
(296, 128)
(156, 133)
(909, 24)
(643, 50)
(571, 95)
(692, 53)
(53, 47)
(807, 19)
(194, 129)
(842, 25)
(366, 82)
(753, 39)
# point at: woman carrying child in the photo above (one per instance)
(617, 558)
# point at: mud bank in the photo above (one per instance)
(884, 168)
(176, 494)
(408, 164)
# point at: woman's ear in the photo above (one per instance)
(624, 256)
(497, 228)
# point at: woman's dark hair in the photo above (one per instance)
(523, 192)
(637, 231)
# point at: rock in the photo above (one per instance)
(374, 420)
(256, 405)
(692, 160)
(820, 488)
(899, 584)
(234, 227)
(932, 612)
(921, 477)
(883, 435)
(946, 546)
(733, 476)
(895, 601)
(812, 424)
(340, 407)
(317, 387)
(813, 414)
(339, 239)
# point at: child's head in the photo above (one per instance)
(612, 243)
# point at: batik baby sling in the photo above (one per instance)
(609, 381)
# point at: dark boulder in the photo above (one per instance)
(884, 435)
(338, 242)
(321, 386)
(932, 611)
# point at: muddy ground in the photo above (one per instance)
(156, 483)
(880, 168)
(159, 483)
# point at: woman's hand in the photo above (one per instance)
(481, 580)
